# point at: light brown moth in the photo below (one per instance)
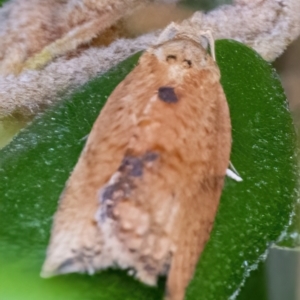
(144, 193)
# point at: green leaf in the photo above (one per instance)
(252, 214)
(204, 4)
(256, 286)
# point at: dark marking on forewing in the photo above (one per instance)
(131, 169)
(131, 165)
(150, 269)
(82, 260)
(63, 267)
(108, 192)
(167, 94)
(113, 193)
(150, 156)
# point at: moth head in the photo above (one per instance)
(187, 34)
(184, 53)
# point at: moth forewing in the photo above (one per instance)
(146, 188)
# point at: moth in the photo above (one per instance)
(145, 191)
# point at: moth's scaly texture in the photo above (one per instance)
(146, 188)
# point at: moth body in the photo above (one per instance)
(144, 193)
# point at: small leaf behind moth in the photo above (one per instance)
(144, 193)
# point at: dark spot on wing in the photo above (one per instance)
(150, 156)
(66, 265)
(167, 94)
(130, 170)
(108, 193)
(133, 166)
(150, 269)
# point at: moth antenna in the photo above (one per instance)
(211, 41)
(168, 33)
(233, 173)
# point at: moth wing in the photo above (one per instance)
(76, 239)
(137, 214)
